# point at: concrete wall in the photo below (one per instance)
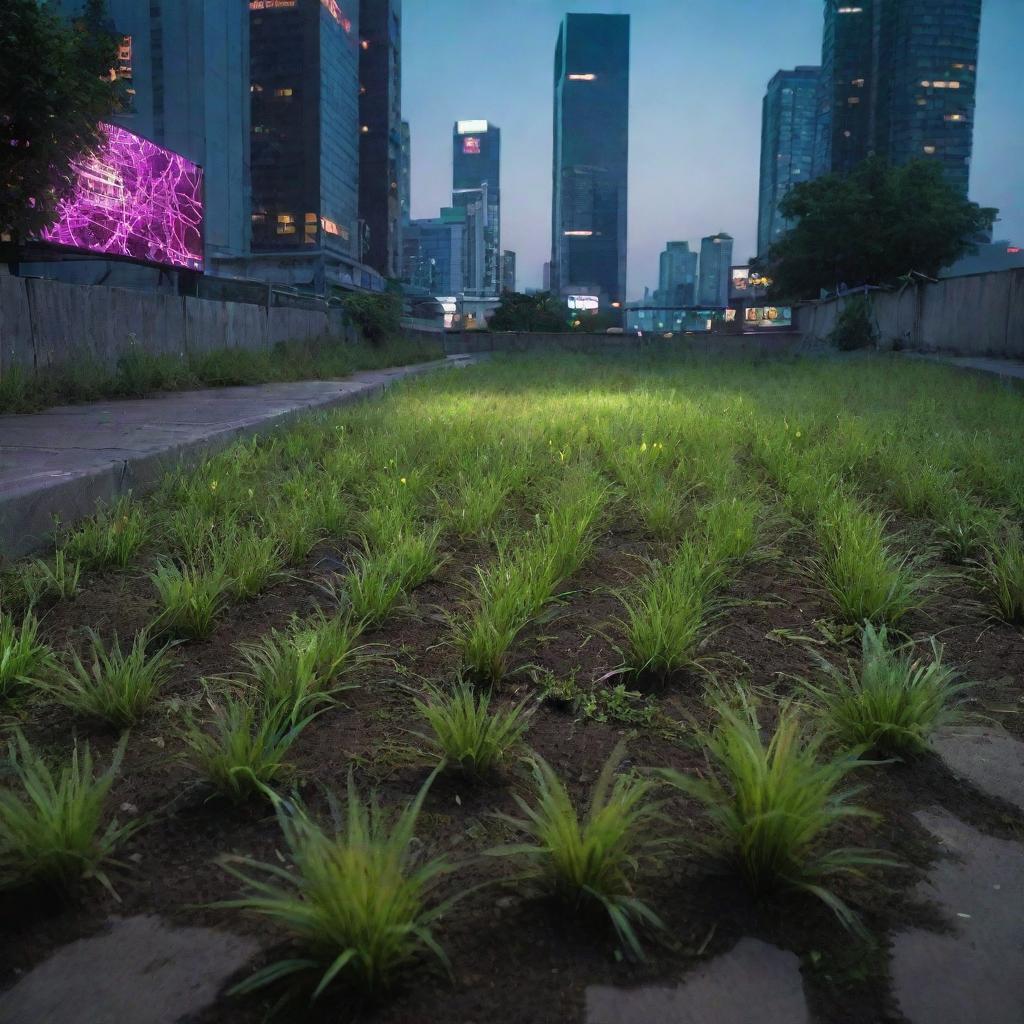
(979, 314)
(46, 323)
(773, 343)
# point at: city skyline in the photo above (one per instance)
(672, 193)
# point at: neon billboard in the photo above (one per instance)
(135, 200)
(581, 303)
(471, 144)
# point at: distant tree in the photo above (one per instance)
(595, 321)
(872, 226)
(538, 312)
(55, 88)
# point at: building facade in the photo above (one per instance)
(677, 275)
(405, 175)
(715, 261)
(591, 157)
(435, 252)
(898, 80)
(788, 118)
(305, 142)
(185, 70)
(476, 179)
(380, 138)
(508, 271)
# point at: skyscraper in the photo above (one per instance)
(927, 53)
(508, 271)
(476, 178)
(677, 278)
(185, 69)
(405, 175)
(787, 146)
(715, 260)
(591, 157)
(435, 252)
(380, 127)
(898, 80)
(305, 140)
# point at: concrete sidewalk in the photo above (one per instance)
(62, 461)
(1006, 369)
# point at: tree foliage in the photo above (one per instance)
(55, 88)
(539, 312)
(872, 226)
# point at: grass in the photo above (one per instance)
(58, 581)
(240, 750)
(356, 903)
(1003, 576)
(893, 701)
(114, 685)
(111, 538)
(465, 734)
(138, 373)
(771, 806)
(866, 580)
(51, 820)
(667, 615)
(593, 857)
(191, 598)
(25, 660)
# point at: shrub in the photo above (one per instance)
(24, 659)
(356, 902)
(893, 701)
(240, 751)
(466, 734)
(771, 806)
(855, 325)
(116, 686)
(50, 821)
(378, 316)
(192, 597)
(593, 859)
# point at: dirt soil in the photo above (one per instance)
(519, 960)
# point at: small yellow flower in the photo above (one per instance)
(402, 481)
(798, 433)
(213, 486)
(643, 447)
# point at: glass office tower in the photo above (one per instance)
(715, 263)
(591, 157)
(380, 139)
(677, 275)
(787, 146)
(476, 179)
(305, 127)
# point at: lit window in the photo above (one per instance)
(849, 10)
(853, 100)
(332, 8)
(582, 78)
(364, 44)
(329, 226)
(921, 101)
(577, 234)
(859, 82)
(929, 150)
(282, 92)
(926, 83)
(955, 117)
(286, 218)
(286, 229)
(846, 134)
(311, 218)
(365, 129)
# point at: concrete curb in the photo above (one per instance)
(67, 475)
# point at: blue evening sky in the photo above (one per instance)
(699, 69)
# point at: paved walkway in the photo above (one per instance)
(62, 461)
(1008, 369)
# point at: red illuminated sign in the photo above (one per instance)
(470, 144)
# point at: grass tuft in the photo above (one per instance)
(24, 659)
(1003, 579)
(191, 596)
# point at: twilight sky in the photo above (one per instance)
(698, 72)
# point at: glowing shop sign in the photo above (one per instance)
(583, 302)
(471, 144)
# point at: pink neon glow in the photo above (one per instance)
(134, 199)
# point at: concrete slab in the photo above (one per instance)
(61, 462)
(975, 973)
(754, 983)
(1007, 369)
(141, 971)
(987, 756)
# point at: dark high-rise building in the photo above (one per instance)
(405, 175)
(305, 137)
(927, 52)
(435, 252)
(476, 179)
(185, 70)
(788, 117)
(508, 271)
(846, 86)
(715, 261)
(380, 139)
(898, 80)
(677, 276)
(591, 157)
